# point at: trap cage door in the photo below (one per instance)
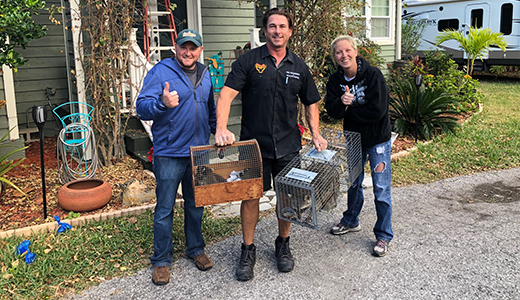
(226, 174)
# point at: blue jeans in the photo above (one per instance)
(169, 171)
(381, 186)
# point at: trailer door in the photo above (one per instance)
(477, 15)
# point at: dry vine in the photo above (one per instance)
(106, 29)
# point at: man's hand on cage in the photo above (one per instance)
(319, 142)
(224, 137)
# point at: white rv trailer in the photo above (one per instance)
(498, 15)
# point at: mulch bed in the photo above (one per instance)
(18, 211)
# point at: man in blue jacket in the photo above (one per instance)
(177, 94)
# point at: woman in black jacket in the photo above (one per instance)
(357, 93)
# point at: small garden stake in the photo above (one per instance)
(39, 114)
(418, 82)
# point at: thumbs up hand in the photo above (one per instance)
(170, 99)
(347, 97)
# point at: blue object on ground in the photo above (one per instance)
(24, 247)
(30, 257)
(63, 226)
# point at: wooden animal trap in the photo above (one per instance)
(226, 174)
(311, 181)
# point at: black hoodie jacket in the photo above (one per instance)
(368, 113)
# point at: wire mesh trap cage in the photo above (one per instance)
(311, 181)
(226, 174)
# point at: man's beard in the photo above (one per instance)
(185, 66)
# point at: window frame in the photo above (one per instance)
(391, 22)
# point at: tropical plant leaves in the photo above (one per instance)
(433, 110)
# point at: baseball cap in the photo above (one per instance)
(189, 35)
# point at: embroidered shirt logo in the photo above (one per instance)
(294, 75)
(260, 68)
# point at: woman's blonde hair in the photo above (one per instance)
(350, 39)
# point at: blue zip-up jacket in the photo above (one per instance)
(175, 129)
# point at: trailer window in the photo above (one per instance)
(506, 19)
(448, 24)
(477, 16)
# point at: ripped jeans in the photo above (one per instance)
(378, 154)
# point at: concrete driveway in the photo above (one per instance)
(454, 239)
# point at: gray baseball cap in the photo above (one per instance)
(189, 35)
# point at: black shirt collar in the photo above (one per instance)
(288, 55)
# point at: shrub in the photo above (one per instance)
(370, 51)
(444, 75)
(497, 70)
(6, 165)
(17, 29)
(439, 72)
(433, 110)
(411, 34)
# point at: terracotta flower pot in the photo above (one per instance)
(84, 194)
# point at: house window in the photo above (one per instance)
(377, 14)
(448, 24)
(506, 19)
(380, 24)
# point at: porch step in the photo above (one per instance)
(30, 134)
(136, 141)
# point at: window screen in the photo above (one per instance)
(506, 19)
(448, 24)
(477, 15)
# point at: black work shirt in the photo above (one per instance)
(270, 99)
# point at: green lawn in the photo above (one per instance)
(87, 255)
(490, 140)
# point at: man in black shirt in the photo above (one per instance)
(271, 79)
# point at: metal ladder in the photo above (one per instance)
(151, 30)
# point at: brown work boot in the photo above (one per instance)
(161, 275)
(203, 262)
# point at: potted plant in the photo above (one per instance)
(6, 165)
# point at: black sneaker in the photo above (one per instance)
(284, 258)
(342, 229)
(381, 248)
(246, 263)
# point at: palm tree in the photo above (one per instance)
(476, 44)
